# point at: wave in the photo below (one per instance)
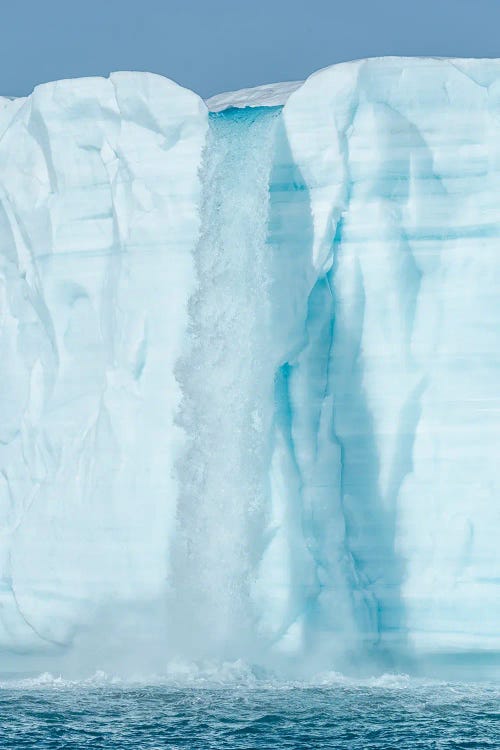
(239, 675)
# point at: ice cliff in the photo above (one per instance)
(250, 400)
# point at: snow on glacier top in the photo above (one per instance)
(268, 95)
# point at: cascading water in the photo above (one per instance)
(227, 380)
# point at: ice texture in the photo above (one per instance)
(98, 222)
(250, 403)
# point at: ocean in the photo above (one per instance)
(389, 712)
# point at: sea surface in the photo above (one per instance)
(388, 712)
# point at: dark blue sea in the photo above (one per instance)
(391, 712)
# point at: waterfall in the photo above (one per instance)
(259, 563)
(227, 380)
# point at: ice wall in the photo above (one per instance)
(403, 173)
(250, 371)
(98, 220)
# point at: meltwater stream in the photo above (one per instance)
(226, 378)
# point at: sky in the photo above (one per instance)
(220, 45)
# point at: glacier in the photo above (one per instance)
(250, 355)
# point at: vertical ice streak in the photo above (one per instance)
(227, 378)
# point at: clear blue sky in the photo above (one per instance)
(217, 45)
